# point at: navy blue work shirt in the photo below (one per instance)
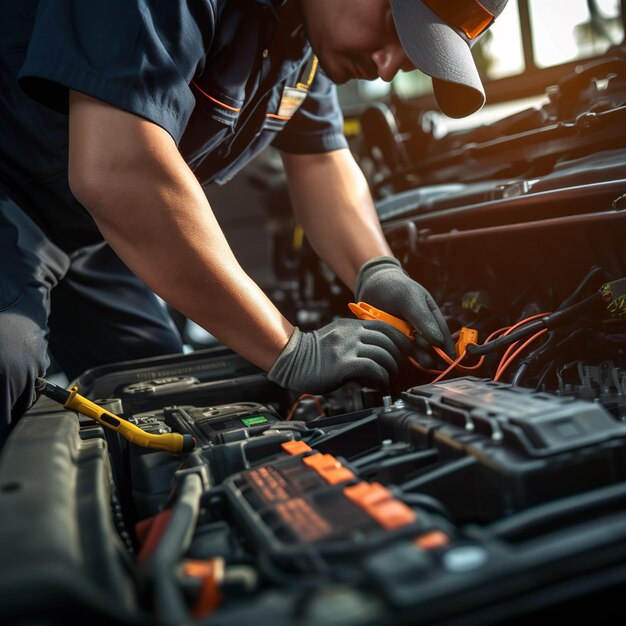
(217, 75)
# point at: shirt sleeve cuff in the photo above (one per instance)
(49, 84)
(325, 142)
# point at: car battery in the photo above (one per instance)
(159, 386)
(156, 393)
(501, 449)
(213, 424)
(222, 431)
(157, 373)
(227, 422)
(204, 378)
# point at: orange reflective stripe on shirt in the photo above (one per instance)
(206, 95)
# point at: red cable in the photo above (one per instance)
(450, 368)
(506, 355)
(297, 402)
(515, 354)
(512, 347)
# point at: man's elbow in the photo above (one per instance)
(88, 185)
(97, 187)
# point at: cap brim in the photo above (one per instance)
(438, 50)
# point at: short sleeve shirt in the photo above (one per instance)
(215, 74)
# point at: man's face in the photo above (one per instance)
(354, 38)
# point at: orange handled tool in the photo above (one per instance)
(366, 311)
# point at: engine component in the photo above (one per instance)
(502, 449)
(167, 384)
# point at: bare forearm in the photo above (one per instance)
(333, 204)
(153, 212)
(181, 258)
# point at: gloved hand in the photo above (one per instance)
(369, 352)
(383, 283)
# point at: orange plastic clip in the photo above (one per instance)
(366, 311)
(329, 468)
(295, 447)
(467, 336)
(378, 502)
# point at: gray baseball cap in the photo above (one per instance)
(437, 36)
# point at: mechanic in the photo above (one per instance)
(112, 111)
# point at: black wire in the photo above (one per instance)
(533, 357)
(315, 434)
(303, 579)
(544, 373)
(553, 346)
(517, 377)
(273, 573)
(426, 502)
(501, 342)
(548, 346)
(596, 269)
(556, 319)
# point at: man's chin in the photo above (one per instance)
(339, 76)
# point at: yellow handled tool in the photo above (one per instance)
(170, 442)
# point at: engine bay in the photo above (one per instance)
(466, 499)
(485, 495)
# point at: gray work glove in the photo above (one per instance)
(383, 283)
(369, 352)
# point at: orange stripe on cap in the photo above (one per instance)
(470, 16)
(206, 95)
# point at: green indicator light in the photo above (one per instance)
(254, 420)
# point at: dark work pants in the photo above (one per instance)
(86, 307)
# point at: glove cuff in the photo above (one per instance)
(282, 370)
(371, 267)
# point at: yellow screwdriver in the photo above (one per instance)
(170, 442)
